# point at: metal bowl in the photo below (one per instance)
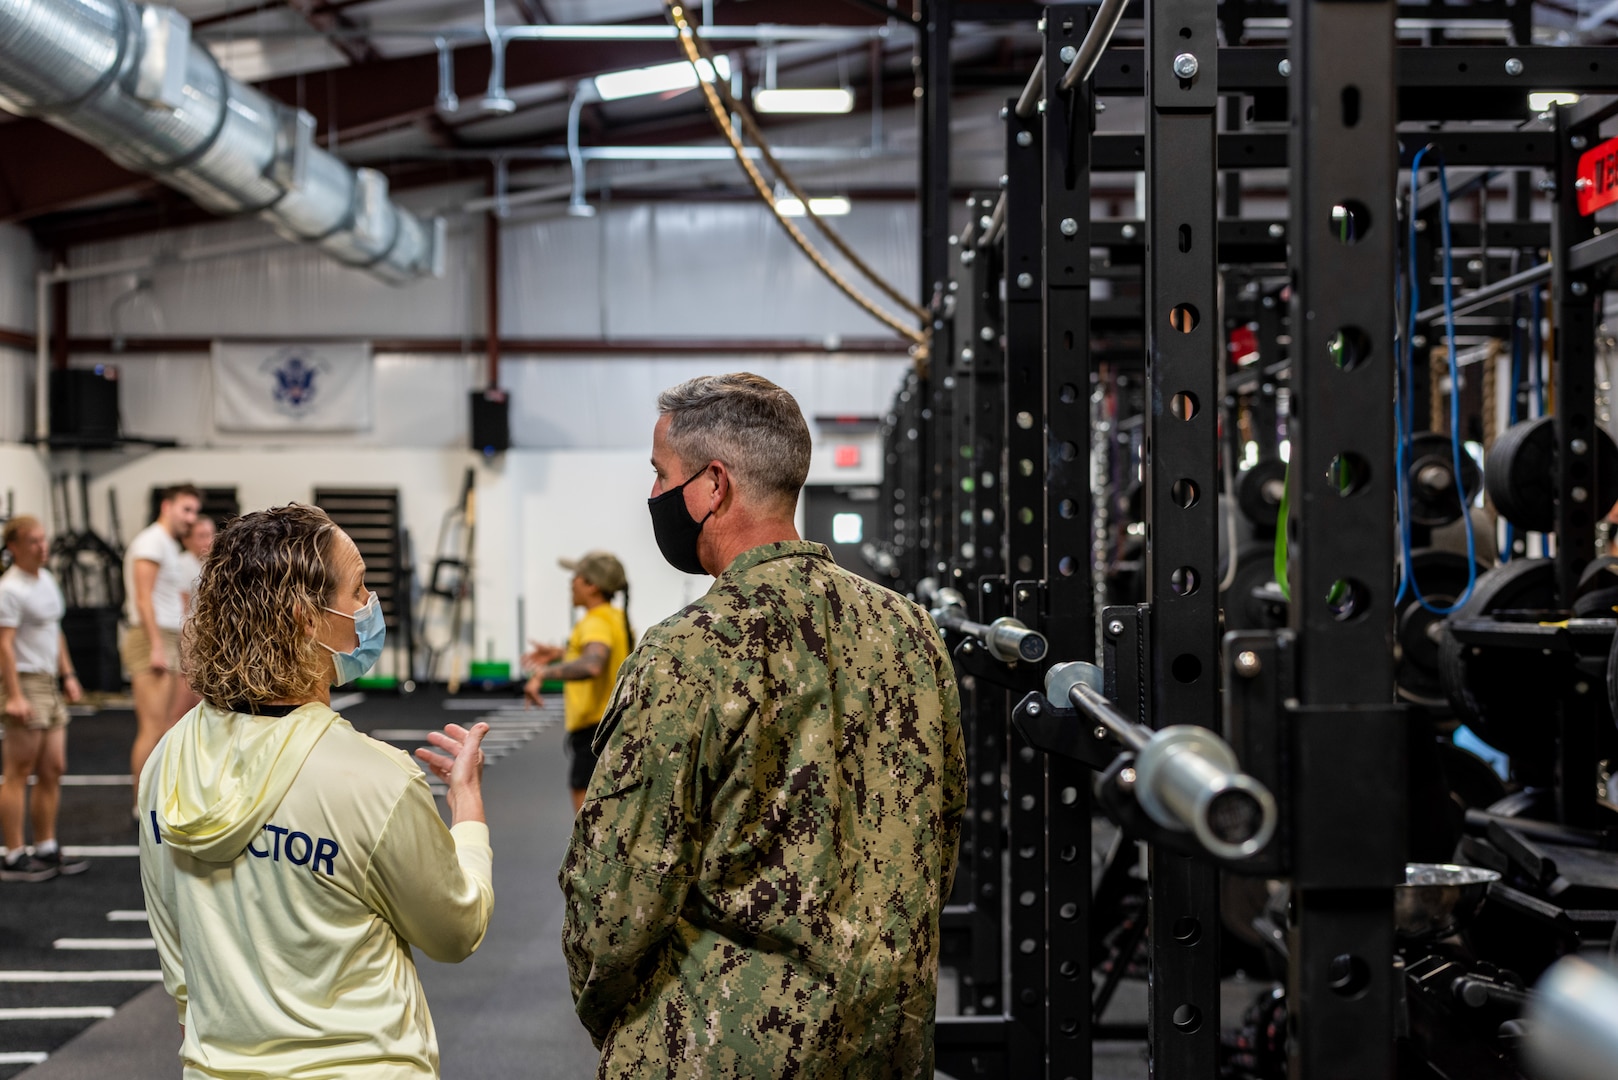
(1438, 899)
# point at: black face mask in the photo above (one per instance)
(676, 530)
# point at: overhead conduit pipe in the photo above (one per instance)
(128, 79)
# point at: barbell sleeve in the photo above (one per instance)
(1186, 777)
(1007, 640)
(1572, 1021)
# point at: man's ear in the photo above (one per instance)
(724, 483)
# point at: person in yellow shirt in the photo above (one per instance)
(589, 664)
(290, 862)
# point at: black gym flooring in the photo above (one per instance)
(505, 1012)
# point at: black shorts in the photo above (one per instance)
(581, 759)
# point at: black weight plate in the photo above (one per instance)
(1246, 606)
(1602, 573)
(1259, 489)
(1612, 678)
(1430, 479)
(1600, 604)
(1442, 578)
(1471, 780)
(1503, 695)
(1598, 589)
(1520, 474)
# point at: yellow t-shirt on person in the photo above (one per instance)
(585, 700)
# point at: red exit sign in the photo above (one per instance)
(1597, 183)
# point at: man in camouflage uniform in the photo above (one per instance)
(755, 881)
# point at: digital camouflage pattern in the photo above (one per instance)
(754, 883)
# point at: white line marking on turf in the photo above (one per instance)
(58, 1012)
(22, 1057)
(103, 851)
(346, 701)
(96, 944)
(128, 915)
(89, 780)
(125, 975)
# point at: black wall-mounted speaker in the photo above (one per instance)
(491, 423)
(84, 404)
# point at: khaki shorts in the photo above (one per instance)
(50, 711)
(136, 650)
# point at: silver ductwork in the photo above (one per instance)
(128, 79)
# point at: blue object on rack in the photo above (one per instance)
(1404, 405)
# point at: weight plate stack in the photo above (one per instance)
(1442, 578)
(1430, 478)
(1520, 474)
(1259, 489)
(1505, 695)
(1249, 605)
(1598, 589)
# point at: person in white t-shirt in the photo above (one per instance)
(151, 646)
(33, 652)
(193, 550)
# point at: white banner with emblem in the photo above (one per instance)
(310, 386)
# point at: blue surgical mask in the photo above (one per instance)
(373, 634)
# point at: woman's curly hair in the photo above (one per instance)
(247, 641)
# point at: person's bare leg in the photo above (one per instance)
(20, 753)
(578, 800)
(49, 767)
(154, 696)
(185, 699)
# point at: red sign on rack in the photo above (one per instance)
(1597, 183)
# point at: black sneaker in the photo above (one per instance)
(28, 868)
(66, 865)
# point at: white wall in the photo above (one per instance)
(661, 270)
(694, 269)
(24, 482)
(612, 401)
(556, 402)
(283, 289)
(17, 262)
(577, 481)
(16, 395)
(420, 401)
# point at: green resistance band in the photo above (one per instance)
(1339, 590)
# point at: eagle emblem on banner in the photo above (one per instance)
(295, 380)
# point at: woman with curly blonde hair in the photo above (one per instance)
(289, 861)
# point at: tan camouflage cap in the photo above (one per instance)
(600, 568)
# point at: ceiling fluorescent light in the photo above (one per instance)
(1543, 100)
(833, 100)
(835, 206)
(659, 79)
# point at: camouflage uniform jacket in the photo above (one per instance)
(755, 881)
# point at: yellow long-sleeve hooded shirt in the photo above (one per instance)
(289, 864)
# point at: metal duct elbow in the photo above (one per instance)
(128, 79)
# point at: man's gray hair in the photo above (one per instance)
(745, 421)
